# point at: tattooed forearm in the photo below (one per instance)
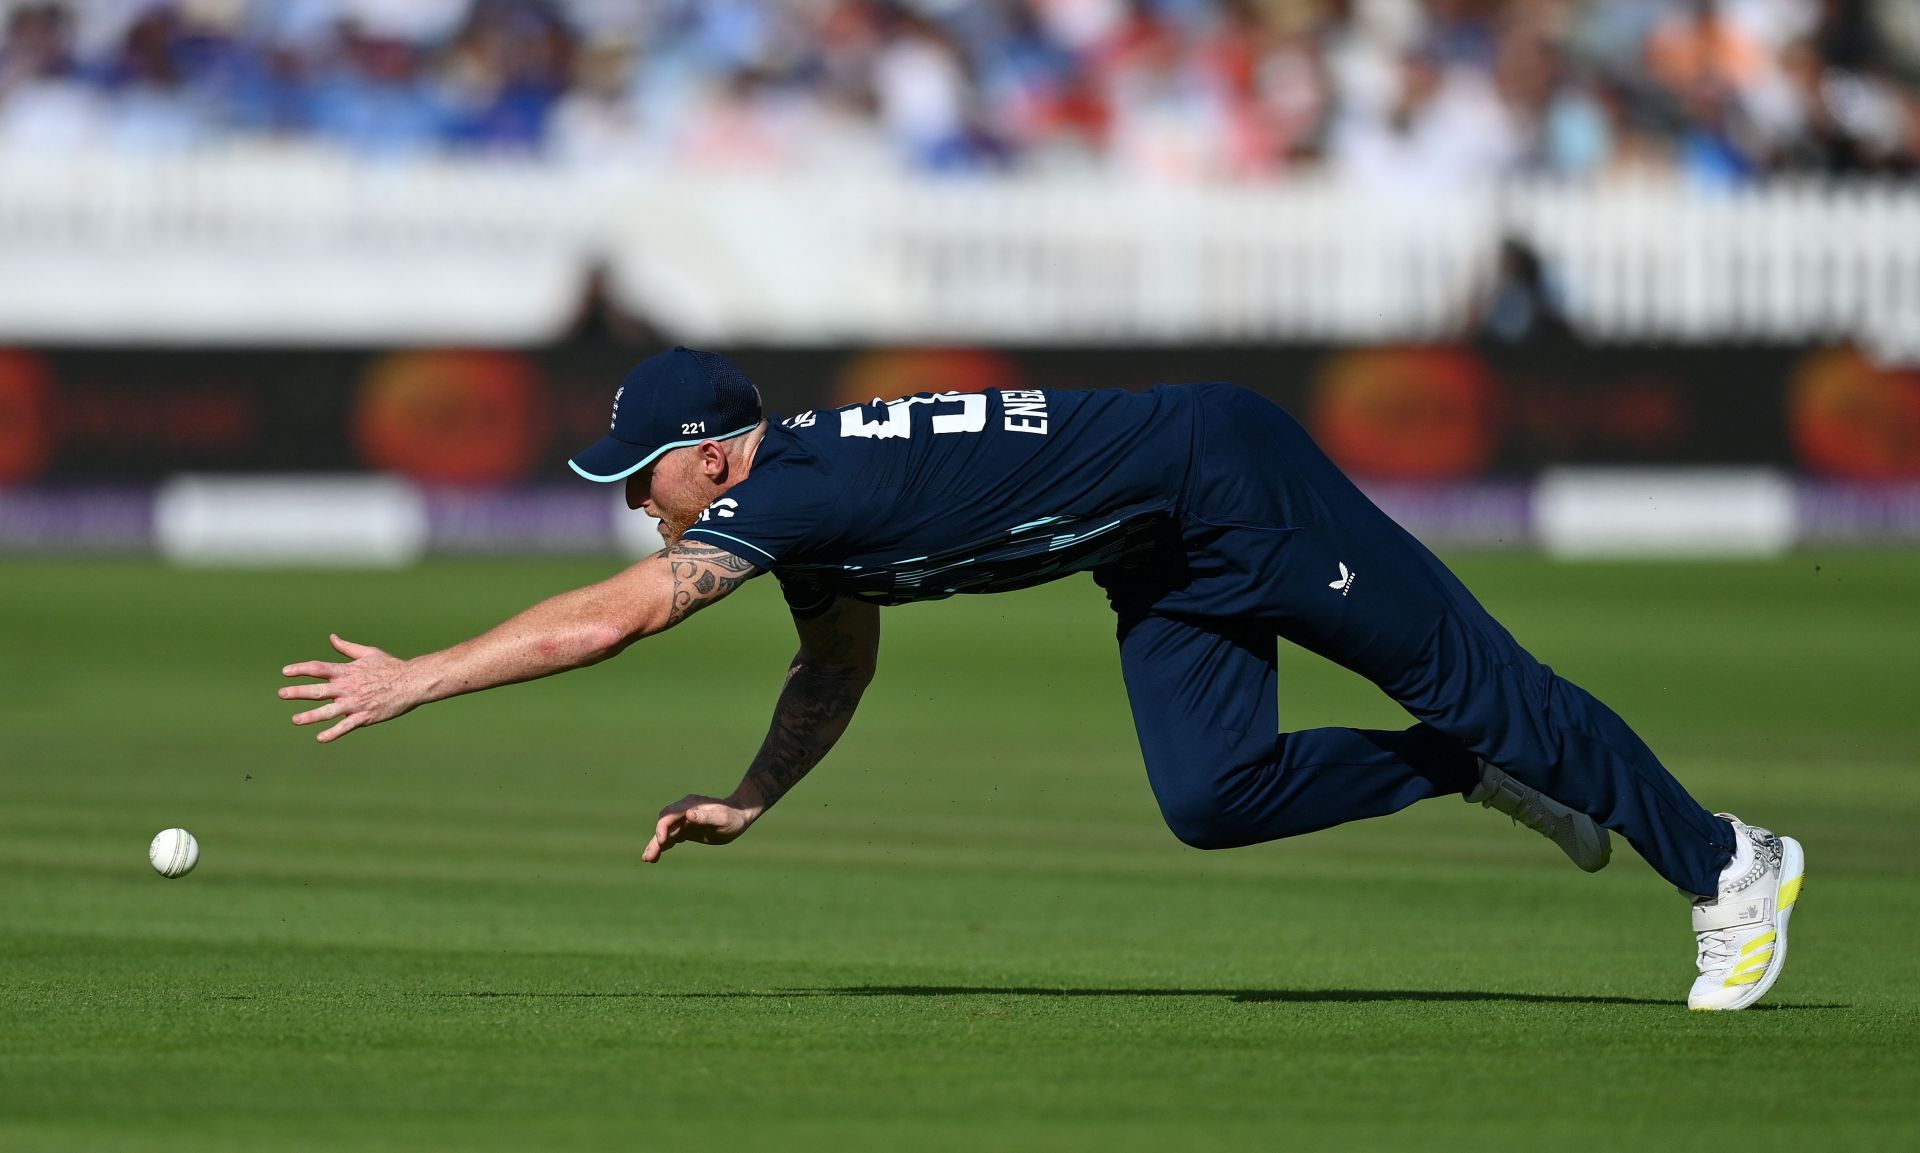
(838, 653)
(814, 709)
(702, 574)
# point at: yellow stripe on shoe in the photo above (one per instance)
(1758, 961)
(1789, 893)
(1765, 938)
(1746, 978)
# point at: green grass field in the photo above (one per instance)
(968, 930)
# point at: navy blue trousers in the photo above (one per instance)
(1274, 541)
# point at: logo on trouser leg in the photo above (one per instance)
(1345, 583)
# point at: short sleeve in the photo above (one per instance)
(773, 516)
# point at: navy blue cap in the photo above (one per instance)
(678, 398)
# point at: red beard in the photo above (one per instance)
(671, 527)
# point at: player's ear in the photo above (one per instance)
(713, 459)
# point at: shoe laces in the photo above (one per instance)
(1717, 950)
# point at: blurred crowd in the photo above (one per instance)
(1402, 92)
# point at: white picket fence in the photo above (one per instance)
(297, 247)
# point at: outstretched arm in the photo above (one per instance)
(569, 631)
(838, 653)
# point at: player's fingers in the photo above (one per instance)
(320, 692)
(311, 669)
(325, 712)
(653, 850)
(669, 829)
(349, 648)
(346, 725)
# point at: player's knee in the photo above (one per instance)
(1199, 823)
(1204, 837)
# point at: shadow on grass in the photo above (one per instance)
(1240, 996)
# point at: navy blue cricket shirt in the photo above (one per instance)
(931, 495)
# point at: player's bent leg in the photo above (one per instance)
(1283, 535)
(1205, 707)
(1309, 780)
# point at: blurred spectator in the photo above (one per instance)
(1410, 93)
(1700, 48)
(1524, 305)
(923, 92)
(45, 104)
(600, 119)
(1447, 126)
(370, 96)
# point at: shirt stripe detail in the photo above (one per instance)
(734, 539)
(1033, 524)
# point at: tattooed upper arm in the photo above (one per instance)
(702, 574)
(846, 636)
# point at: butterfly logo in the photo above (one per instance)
(1345, 583)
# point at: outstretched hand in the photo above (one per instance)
(702, 820)
(370, 688)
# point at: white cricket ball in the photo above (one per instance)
(174, 853)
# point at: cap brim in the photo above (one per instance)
(610, 458)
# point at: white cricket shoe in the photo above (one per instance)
(1579, 836)
(1743, 930)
